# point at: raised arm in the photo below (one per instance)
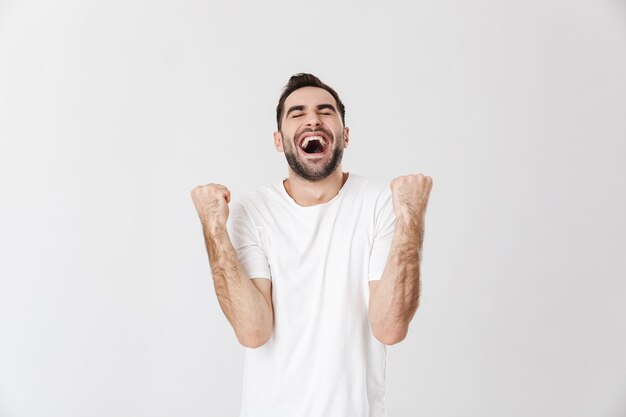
(247, 307)
(395, 297)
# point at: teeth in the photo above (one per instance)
(308, 139)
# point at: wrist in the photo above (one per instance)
(214, 228)
(409, 219)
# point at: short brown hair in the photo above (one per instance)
(306, 80)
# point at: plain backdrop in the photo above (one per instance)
(112, 111)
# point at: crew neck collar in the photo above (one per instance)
(283, 191)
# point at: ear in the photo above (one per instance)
(278, 141)
(346, 136)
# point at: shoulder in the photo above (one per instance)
(255, 203)
(371, 188)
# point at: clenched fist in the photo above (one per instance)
(211, 201)
(410, 195)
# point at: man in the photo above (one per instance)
(316, 273)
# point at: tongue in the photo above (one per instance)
(314, 147)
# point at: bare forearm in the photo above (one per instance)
(243, 304)
(393, 304)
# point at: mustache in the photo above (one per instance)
(320, 129)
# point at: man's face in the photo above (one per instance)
(311, 119)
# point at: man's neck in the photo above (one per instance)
(307, 193)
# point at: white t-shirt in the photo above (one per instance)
(322, 359)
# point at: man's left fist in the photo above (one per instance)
(410, 195)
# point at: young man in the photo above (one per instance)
(318, 272)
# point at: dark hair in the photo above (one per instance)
(306, 80)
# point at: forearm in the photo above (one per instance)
(243, 304)
(393, 304)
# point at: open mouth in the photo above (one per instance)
(314, 144)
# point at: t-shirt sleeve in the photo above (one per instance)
(385, 220)
(246, 240)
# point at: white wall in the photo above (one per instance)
(111, 112)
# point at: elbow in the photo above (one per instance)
(390, 337)
(254, 341)
(390, 340)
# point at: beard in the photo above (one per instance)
(310, 171)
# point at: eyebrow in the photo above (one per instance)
(319, 107)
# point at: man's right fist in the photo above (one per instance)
(211, 201)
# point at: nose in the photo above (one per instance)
(313, 120)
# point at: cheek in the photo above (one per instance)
(289, 144)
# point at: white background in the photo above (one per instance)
(112, 111)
